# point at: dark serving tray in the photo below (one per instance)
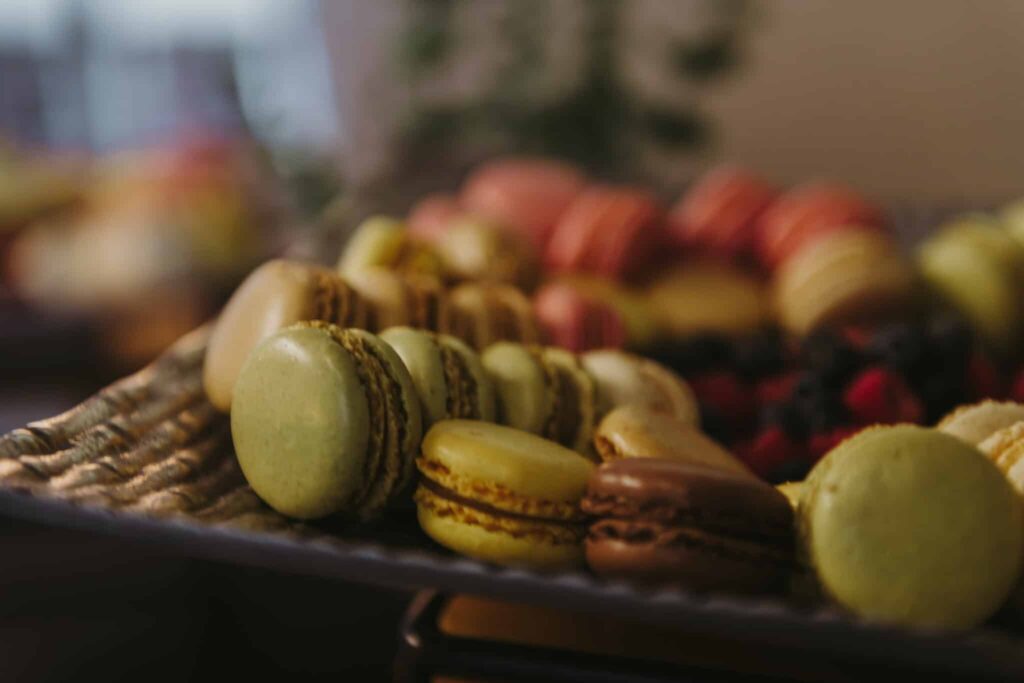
(147, 458)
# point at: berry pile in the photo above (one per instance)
(780, 404)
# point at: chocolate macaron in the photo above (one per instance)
(275, 295)
(661, 521)
(326, 421)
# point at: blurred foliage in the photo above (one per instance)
(596, 120)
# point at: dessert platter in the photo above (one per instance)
(751, 414)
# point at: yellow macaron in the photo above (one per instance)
(502, 495)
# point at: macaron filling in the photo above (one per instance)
(463, 400)
(642, 532)
(447, 503)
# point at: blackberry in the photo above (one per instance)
(901, 347)
(759, 355)
(830, 356)
(699, 353)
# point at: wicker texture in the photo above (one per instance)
(150, 443)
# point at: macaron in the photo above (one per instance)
(432, 215)
(612, 231)
(807, 212)
(666, 522)
(703, 296)
(544, 391)
(719, 213)
(575, 321)
(326, 421)
(1005, 449)
(630, 303)
(634, 431)
(481, 314)
(275, 295)
(977, 268)
(847, 276)
(502, 495)
(976, 422)
(529, 195)
(386, 294)
(448, 375)
(479, 250)
(624, 378)
(908, 525)
(385, 242)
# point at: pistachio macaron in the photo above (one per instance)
(326, 421)
(544, 391)
(385, 242)
(481, 314)
(448, 375)
(275, 295)
(909, 525)
(502, 495)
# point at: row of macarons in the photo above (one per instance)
(320, 411)
(281, 292)
(913, 525)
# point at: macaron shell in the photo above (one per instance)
(719, 212)
(846, 276)
(708, 297)
(527, 194)
(630, 231)
(422, 358)
(580, 390)
(430, 217)
(385, 295)
(521, 463)
(275, 295)
(899, 521)
(1005, 448)
(623, 378)
(468, 537)
(975, 423)
(300, 424)
(633, 431)
(524, 398)
(377, 241)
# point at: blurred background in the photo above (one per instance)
(152, 152)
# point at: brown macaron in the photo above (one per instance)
(481, 314)
(274, 296)
(665, 522)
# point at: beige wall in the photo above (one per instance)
(905, 98)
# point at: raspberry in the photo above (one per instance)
(726, 394)
(820, 444)
(878, 395)
(1017, 390)
(768, 451)
(983, 378)
(777, 388)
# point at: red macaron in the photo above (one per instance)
(719, 213)
(575, 321)
(807, 212)
(609, 230)
(526, 194)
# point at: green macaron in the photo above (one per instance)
(447, 374)
(544, 391)
(909, 525)
(326, 421)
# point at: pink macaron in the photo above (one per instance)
(718, 214)
(807, 212)
(613, 231)
(574, 321)
(528, 195)
(432, 215)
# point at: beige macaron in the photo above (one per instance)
(976, 422)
